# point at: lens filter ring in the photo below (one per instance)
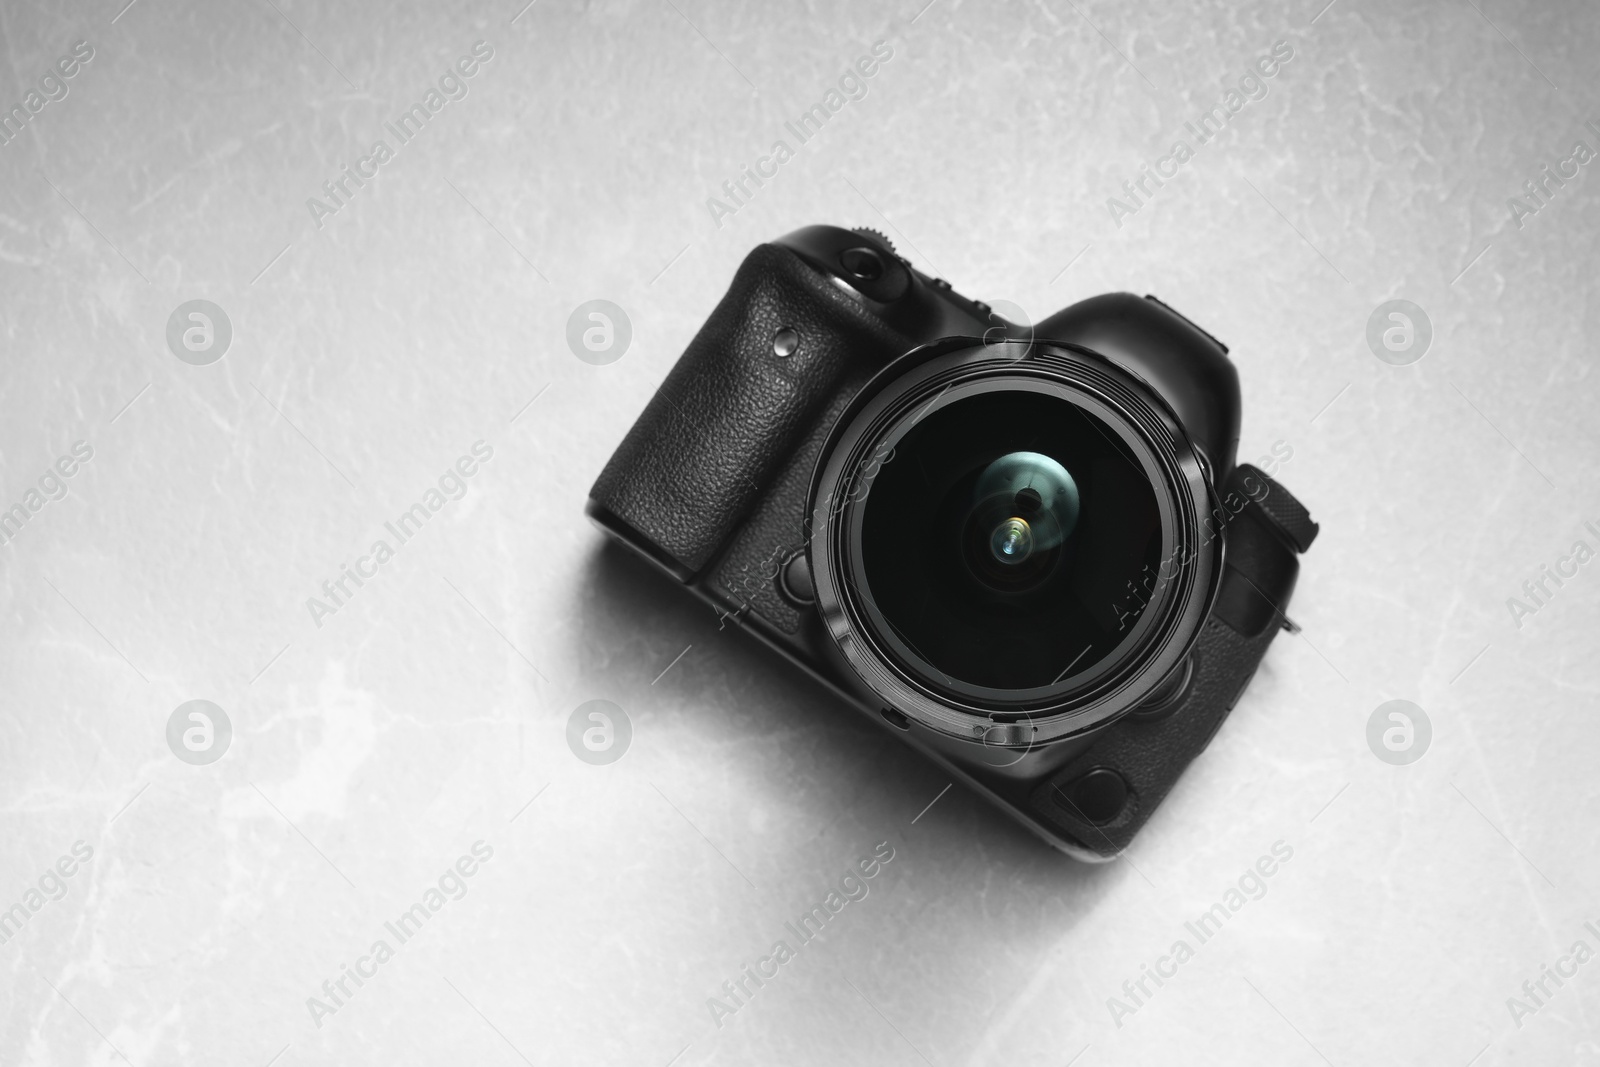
(971, 565)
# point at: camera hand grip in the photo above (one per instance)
(1106, 793)
(1149, 755)
(733, 409)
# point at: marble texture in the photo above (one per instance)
(375, 746)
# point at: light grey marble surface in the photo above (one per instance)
(373, 345)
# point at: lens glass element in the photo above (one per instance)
(1009, 543)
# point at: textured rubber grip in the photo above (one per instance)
(1149, 748)
(1279, 507)
(1151, 755)
(732, 411)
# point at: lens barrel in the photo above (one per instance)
(1011, 531)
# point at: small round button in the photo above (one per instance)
(797, 584)
(784, 342)
(864, 263)
(1098, 796)
(1168, 697)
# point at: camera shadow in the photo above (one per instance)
(806, 751)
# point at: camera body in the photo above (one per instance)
(823, 464)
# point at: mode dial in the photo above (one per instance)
(880, 238)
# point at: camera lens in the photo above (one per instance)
(1004, 544)
(1008, 539)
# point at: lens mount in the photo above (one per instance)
(1011, 533)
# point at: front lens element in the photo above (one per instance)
(1010, 543)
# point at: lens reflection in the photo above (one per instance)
(1037, 488)
(1012, 541)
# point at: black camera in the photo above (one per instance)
(1029, 549)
